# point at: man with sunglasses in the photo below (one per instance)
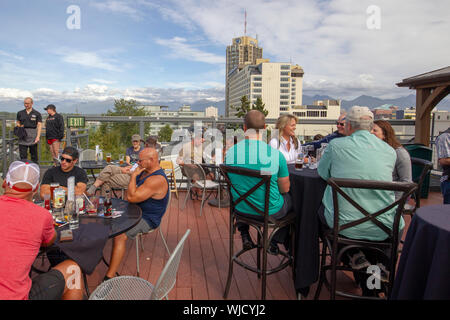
(340, 132)
(66, 169)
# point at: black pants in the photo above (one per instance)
(23, 151)
(281, 235)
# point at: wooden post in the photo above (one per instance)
(423, 118)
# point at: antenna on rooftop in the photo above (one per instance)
(245, 22)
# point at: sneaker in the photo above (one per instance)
(358, 260)
(247, 242)
(273, 249)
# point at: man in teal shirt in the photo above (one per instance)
(360, 155)
(252, 153)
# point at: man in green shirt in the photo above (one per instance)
(359, 155)
(253, 153)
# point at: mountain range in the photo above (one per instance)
(89, 107)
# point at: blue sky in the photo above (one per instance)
(175, 49)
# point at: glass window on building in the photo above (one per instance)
(284, 73)
(285, 67)
(284, 79)
(284, 85)
(284, 97)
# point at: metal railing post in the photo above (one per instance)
(4, 157)
(141, 129)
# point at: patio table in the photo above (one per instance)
(89, 239)
(423, 272)
(307, 189)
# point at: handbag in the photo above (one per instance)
(20, 132)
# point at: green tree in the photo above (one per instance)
(259, 105)
(115, 137)
(243, 108)
(165, 134)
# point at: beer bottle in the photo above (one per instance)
(108, 204)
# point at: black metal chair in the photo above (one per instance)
(426, 166)
(338, 245)
(262, 227)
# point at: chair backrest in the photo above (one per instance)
(87, 155)
(193, 172)
(166, 165)
(337, 184)
(426, 166)
(168, 276)
(264, 180)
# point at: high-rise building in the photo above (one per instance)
(243, 51)
(279, 85)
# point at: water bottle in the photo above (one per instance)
(101, 207)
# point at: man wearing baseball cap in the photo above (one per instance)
(132, 153)
(54, 131)
(24, 228)
(359, 155)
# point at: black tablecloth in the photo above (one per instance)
(307, 189)
(90, 238)
(424, 268)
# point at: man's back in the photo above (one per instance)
(257, 155)
(359, 156)
(24, 226)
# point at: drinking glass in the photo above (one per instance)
(108, 157)
(100, 157)
(121, 159)
(299, 162)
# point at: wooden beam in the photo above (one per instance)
(422, 122)
(432, 85)
(433, 99)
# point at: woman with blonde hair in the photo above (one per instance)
(286, 141)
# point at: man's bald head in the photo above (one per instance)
(254, 119)
(149, 158)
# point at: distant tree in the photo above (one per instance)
(165, 134)
(115, 137)
(243, 108)
(259, 105)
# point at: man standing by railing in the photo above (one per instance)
(31, 120)
(443, 154)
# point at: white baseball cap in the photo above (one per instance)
(356, 112)
(25, 172)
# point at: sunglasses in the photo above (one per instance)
(340, 123)
(65, 159)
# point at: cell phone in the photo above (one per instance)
(66, 236)
(134, 167)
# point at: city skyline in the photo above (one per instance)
(175, 50)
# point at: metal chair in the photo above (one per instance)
(262, 227)
(167, 166)
(135, 288)
(426, 166)
(338, 245)
(140, 235)
(196, 177)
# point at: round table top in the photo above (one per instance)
(436, 215)
(131, 215)
(305, 172)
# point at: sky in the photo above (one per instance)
(174, 50)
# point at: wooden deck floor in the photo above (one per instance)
(203, 269)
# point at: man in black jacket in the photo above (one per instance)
(54, 131)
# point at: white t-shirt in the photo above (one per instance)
(288, 155)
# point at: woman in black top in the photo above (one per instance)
(54, 131)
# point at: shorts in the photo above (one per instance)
(50, 141)
(47, 286)
(141, 227)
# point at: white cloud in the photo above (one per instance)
(11, 93)
(181, 49)
(91, 60)
(10, 55)
(119, 7)
(330, 39)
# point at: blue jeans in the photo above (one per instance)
(445, 188)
